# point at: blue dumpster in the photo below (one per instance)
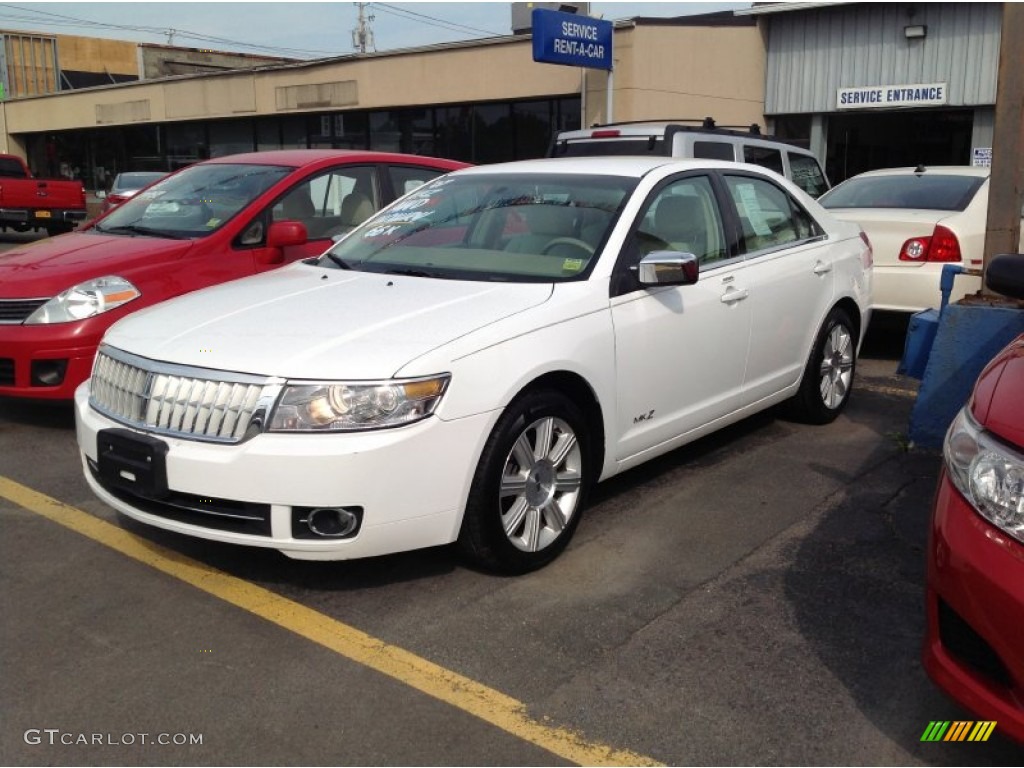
(923, 327)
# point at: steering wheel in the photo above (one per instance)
(572, 242)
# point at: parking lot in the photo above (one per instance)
(753, 598)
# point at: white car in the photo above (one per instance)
(468, 362)
(918, 219)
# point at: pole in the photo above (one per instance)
(1006, 181)
(362, 35)
(609, 111)
(583, 97)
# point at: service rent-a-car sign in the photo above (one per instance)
(572, 40)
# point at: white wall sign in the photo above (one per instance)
(884, 96)
(982, 157)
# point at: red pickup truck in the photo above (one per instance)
(30, 203)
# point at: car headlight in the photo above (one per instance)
(93, 297)
(988, 473)
(352, 406)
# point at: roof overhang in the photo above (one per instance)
(766, 8)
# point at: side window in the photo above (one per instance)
(405, 179)
(807, 174)
(714, 150)
(769, 216)
(683, 217)
(11, 169)
(332, 203)
(763, 156)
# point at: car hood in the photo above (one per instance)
(307, 322)
(999, 393)
(47, 267)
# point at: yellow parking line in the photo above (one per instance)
(882, 389)
(489, 705)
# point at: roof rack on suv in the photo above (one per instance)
(705, 123)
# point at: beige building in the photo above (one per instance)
(481, 101)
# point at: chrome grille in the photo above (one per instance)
(196, 403)
(16, 311)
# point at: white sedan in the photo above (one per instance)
(465, 365)
(918, 219)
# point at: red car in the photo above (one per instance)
(209, 223)
(974, 646)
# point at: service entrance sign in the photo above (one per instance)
(575, 41)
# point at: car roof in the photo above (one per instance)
(301, 157)
(616, 165)
(928, 170)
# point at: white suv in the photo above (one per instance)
(707, 140)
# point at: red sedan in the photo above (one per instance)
(209, 223)
(974, 647)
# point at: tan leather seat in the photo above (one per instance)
(355, 209)
(545, 223)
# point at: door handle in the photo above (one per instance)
(821, 268)
(731, 296)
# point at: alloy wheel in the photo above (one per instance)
(836, 366)
(540, 484)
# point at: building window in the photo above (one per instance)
(532, 120)
(231, 138)
(268, 134)
(350, 130)
(293, 132)
(493, 137)
(186, 144)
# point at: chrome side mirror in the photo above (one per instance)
(668, 268)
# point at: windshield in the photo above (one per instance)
(193, 203)
(931, 192)
(506, 227)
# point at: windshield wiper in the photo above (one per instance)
(135, 229)
(342, 264)
(414, 273)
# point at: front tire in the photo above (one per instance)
(828, 377)
(530, 485)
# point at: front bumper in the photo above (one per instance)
(62, 354)
(41, 217)
(974, 643)
(410, 483)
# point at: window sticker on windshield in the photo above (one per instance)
(405, 213)
(756, 217)
(401, 215)
(212, 223)
(572, 265)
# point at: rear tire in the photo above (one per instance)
(828, 377)
(530, 486)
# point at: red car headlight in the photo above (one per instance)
(989, 473)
